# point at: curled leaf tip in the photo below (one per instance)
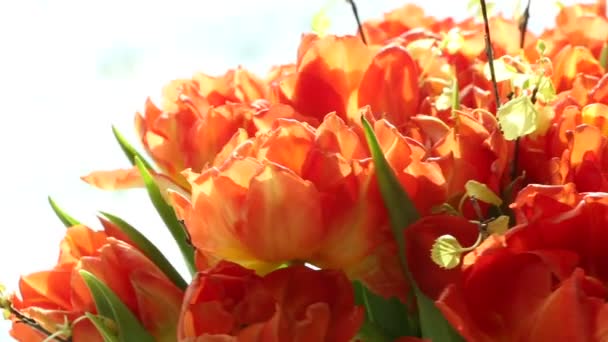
(67, 220)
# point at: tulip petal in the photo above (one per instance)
(284, 216)
(390, 85)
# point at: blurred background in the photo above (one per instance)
(69, 69)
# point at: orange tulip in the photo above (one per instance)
(188, 136)
(295, 193)
(390, 85)
(578, 25)
(296, 303)
(332, 66)
(570, 61)
(474, 148)
(574, 149)
(198, 117)
(395, 23)
(49, 296)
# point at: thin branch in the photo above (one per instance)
(515, 162)
(523, 28)
(489, 50)
(523, 25)
(353, 6)
(21, 318)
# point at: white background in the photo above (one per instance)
(69, 69)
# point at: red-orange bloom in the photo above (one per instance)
(421, 236)
(231, 303)
(49, 296)
(551, 264)
(507, 296)
(561, 218)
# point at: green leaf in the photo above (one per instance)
(167, 213)
(474, 7)
(450, 97)
(541, 47)
(452, 41)
(149, 250)
(445, 208)
(482, 192)
(129, 150)
(370, 333)
(502, 70)
(518, 117)
(499, 225)
(67, 220)
(546, 91)
(110, 306)
(321, 22)
(455, 94)
(400, 207)
(403, 213)
(99, 323)
(604, 56)
(446, 252)
(433, 324)
(388, 318)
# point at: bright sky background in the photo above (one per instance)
(69, 69)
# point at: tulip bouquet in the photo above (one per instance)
(421, 180)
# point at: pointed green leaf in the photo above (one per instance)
(604, 56)
(403, 213)
(129, 150)
(67, 220)
(98, 322)
(370, 333)
(109, 305)
(149, 249)
(400, 207)
(167, 213)
(433, 324)
(388, 318)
